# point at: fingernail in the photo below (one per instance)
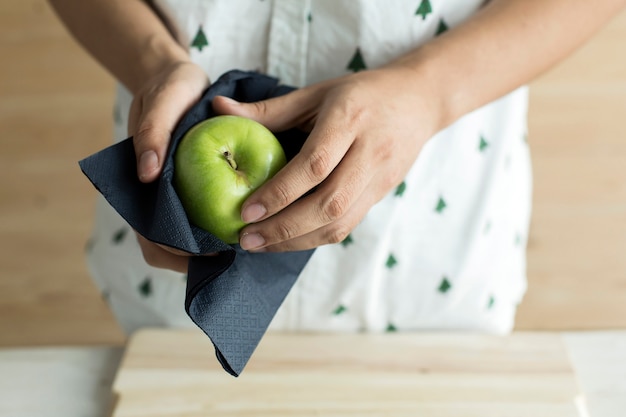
(148, 163)
(253, 213)
(251, 241)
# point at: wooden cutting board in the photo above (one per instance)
(175, 373)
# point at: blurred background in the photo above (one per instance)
(56, 108)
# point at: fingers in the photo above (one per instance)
(295, 109)
(327, 144)
(155, 112)
(325, 152)
(334, 232)
(325, 216)
(358, 149)
(159, 257)
(325, 148)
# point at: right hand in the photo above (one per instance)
(154, 113)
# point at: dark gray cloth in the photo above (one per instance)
(233, 296)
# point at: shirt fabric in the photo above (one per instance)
(444, 250)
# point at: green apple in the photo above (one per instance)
(217, 165)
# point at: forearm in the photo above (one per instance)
(504, 46)
(125, 36)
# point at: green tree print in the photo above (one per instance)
(145, 288)
(400, 189)
(347, 241)
(483, 144)
(443, 27)
(118, 236)
(391, 261)
(339, 310)
(357, 63)
(424, 9)
(441, 205)
(444, 286)
(200, 40)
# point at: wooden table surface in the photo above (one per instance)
(175, 373)
(77, 381)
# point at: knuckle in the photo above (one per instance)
(147, 134)
(386, 152)
(319, 164)
(335, 206)
(351, 108)
(356, 117)
(281, 230)
(337, 233)
(279, 195)
(285, 231)
(260, 107)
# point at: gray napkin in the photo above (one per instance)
(233, 296)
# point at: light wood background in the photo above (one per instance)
(56, 106)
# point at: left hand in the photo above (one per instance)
(367, 130)
(157, 107)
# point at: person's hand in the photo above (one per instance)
(155, 111)
(366, 131)
(161, 256)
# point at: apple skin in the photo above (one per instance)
(217, 165)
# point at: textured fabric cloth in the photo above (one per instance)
(232, 295)
(445, 250)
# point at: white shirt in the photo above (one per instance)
(445, 250)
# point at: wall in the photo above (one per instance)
(55, 105)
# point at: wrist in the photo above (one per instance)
(422, 77)
(157, 56)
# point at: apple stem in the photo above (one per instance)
(230, 159)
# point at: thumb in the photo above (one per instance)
(150, 146)
(277, 114)
(152, 132)
(150, 140)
